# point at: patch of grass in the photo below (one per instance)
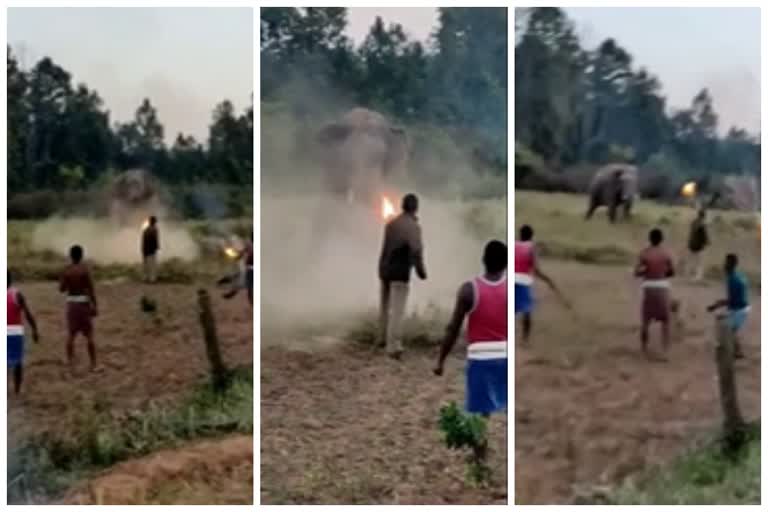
(47, 465)
(703, 477)
(562, 233)
(424, 329)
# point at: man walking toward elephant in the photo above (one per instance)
(698, 240)
(150, 244)
(526, 268)
(402, 250)
(655, 268)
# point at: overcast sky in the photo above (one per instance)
(686, 48)
(186, 60)
(689, 49)
(418, 22)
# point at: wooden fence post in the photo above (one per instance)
(733, 422)
(219, 374)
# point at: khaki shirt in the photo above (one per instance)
(402, 249)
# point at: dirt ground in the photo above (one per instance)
(589, 411)
(189, 476)
(143, 359)
(345, 425)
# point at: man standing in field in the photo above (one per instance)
(483, 300)
(18, 310)
(402, 250)
(150, 244)
(76, 283)
(655, 267)
(526, 267)
(698, 240)
(737, 301)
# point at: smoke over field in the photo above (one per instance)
(106, 242)
(320, 256)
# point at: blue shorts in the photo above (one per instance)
(737, 318)
(523, 298)
(486, 385)
(15, 350)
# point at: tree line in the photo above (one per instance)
(60, 136)
(579, 106)
(457, 80)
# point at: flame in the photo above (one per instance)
(230, 252)
(145, 224)
(387, 208)
(689, 189)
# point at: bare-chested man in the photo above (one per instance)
(655, 267)
(77, 284)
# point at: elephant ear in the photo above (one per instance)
(333, 132)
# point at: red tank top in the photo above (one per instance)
(14, 311)
(488, 319)
(523, 257)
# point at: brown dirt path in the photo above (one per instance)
(224, 468)
(345, 425)
(589, 411)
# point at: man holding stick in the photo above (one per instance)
(526, 267)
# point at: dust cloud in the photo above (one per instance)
(319, 258)
(105, 241)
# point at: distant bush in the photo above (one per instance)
(188, 201)
(44, 203)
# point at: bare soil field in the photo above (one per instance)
(589, 410)
(146, 358)
(342, 424)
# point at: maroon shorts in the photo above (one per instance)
(79, 316)
(655, 304)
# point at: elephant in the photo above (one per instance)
(613, 185)
(133, 196)
(359, 152)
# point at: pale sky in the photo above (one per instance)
(186, 60)
(688, 49)
(418, 22)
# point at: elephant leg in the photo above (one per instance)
(612, 212)
(627, 209)
(591, 210)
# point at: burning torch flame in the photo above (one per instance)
(387, 208)
(145, 224)
(230, 252)
(689, 189)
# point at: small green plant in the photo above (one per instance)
(462, 431)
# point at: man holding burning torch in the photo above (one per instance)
(150, 244)
(401, 251)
